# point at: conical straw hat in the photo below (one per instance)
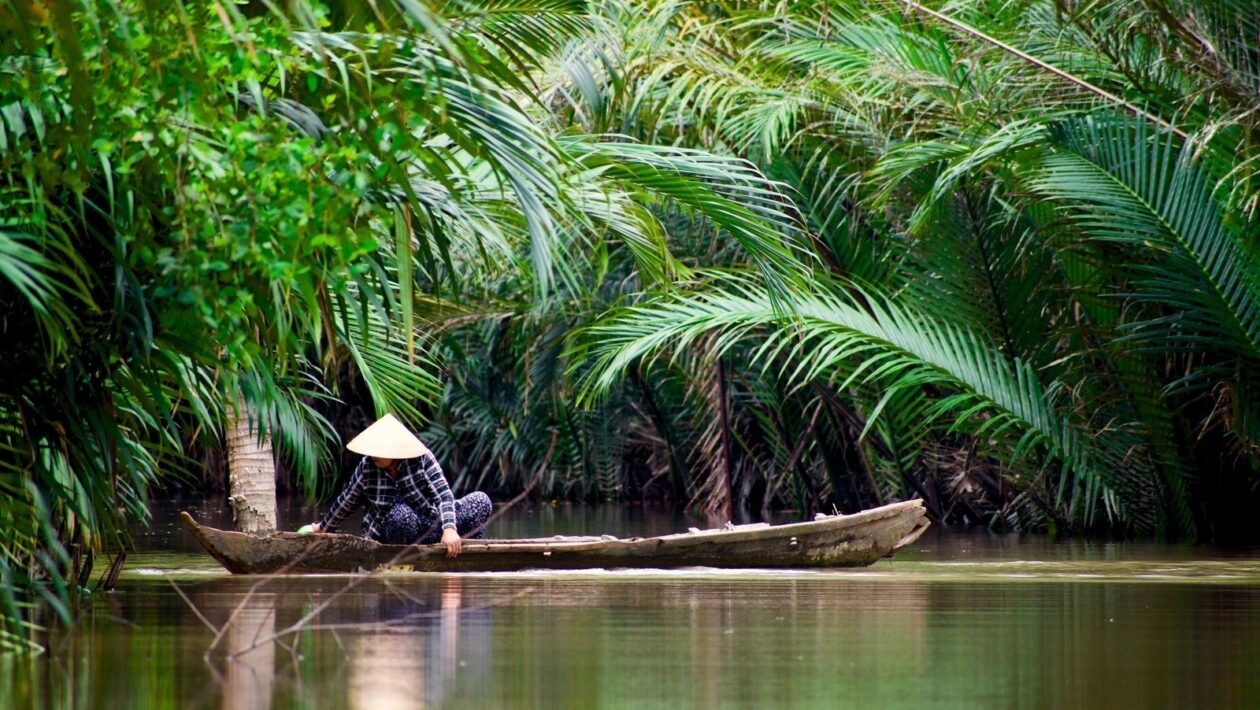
(388, 438)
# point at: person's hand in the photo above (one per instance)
(450, 538)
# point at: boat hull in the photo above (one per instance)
(830, 541)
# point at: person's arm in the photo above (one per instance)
(429, 468)
(432, 472)
(346, 502)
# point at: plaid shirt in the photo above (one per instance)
(420, 483)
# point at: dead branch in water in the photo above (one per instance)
(306, 622)
(302, 624)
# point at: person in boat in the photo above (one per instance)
(408, 499)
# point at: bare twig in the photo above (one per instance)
(305, 622)
(192, 606)
(1070, 78)
(303, 625)
(337, 637)
(306, 618)
(245, 600)
(529, 487)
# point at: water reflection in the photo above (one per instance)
(959, 621)
(252, 652)
(406, 656)
(618, 641)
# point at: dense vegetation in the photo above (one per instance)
(736, 254)
(1033, 283)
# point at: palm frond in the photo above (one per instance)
(732, 194)
(882, 345)
(1125, 185)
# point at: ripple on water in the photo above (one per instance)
(1197, 571)
(977, 572)
(1190, 572)
(176, 572)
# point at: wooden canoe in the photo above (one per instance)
(828, 541)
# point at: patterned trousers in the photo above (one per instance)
(404, 525)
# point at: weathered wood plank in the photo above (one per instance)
(829, 541)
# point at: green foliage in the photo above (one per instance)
(893, 351)
(1001, 256)
(207, 207)
(1072, 291)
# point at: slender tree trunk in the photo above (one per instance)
(251, 474)
(713, 455)
(726, 479)
(676, 469)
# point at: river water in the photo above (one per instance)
(961, 620)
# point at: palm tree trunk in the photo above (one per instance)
(726, 479)
(251, 474)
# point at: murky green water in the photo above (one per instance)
(958, 621)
